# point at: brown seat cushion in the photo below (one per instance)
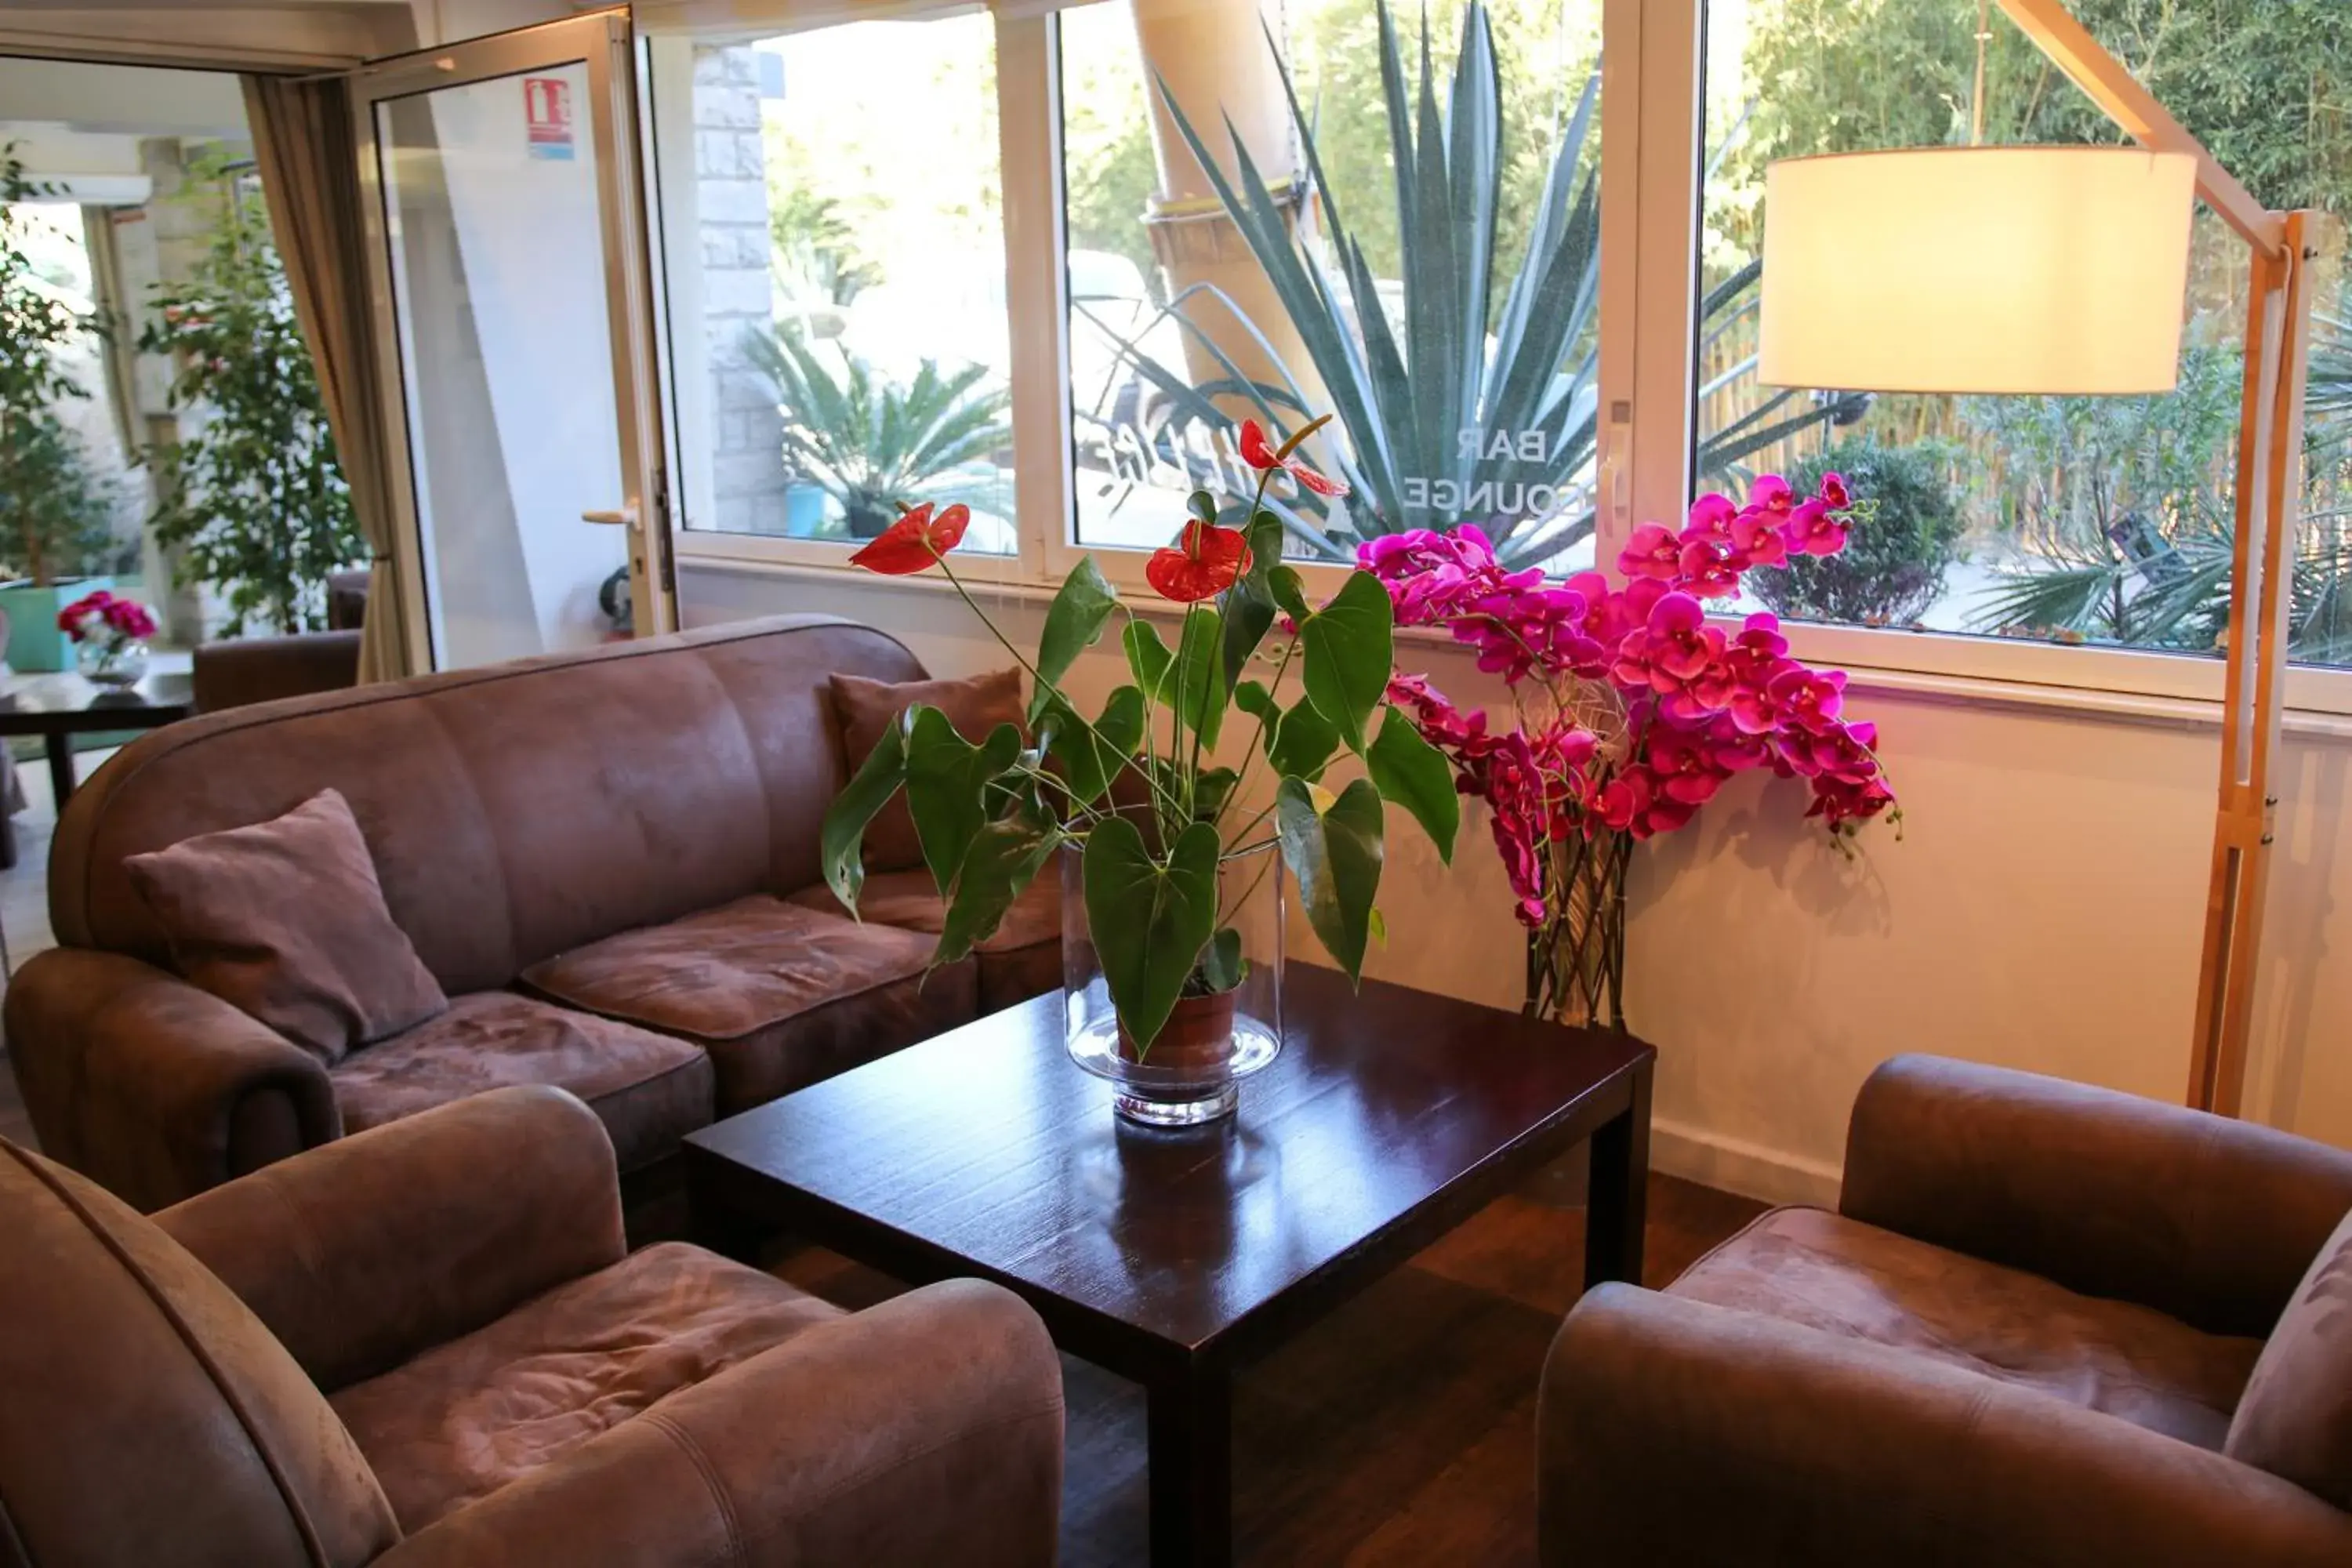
(1845, 1278)
(476, 1413)
(974, 705)
(2295, 1420)
(778, 994)
(285, 920)
(649, 1090)
(1023, 959)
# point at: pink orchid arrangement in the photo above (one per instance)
(1631, 710)
(100, 617)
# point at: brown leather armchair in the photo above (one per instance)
(2020, 1339)
(423, 1346)
(234, 671)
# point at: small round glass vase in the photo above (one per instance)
(116, 665)
(1192, 1072)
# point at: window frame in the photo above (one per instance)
(1652, 104)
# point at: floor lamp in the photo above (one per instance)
(2083, 295)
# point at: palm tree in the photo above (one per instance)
(873, 445)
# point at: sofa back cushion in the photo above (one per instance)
(147, 1416)
(2294, 1419)
(514, 812)
(975, 705)
(285, 920)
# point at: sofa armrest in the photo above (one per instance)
(1673, 1432)
(924, 1430)
(152, 1087)
(360, 1254)
(2210, 1220)
(241, 670)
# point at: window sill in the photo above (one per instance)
(2147, 689)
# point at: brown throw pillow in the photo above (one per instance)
(2294, 1419)
(286, 920)
(974, 705)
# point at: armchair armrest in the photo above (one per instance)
(2209, 1219)
(360, 1254)
(1673, 1432)
(241, 670)
(924, 1430)
(152, 1087)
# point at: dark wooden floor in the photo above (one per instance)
(1399, 1430)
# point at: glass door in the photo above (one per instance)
(506, 259)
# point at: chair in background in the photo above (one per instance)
(2025, 1336)
(424, 1347)
(234, 671)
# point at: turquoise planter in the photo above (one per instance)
(35, 643)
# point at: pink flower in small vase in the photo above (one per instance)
(1813, 529)
(1653, 552)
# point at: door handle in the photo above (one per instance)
(620, 519)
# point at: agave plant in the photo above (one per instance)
(876, 447)
(1457, 413)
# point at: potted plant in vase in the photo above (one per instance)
(110, 637)
(1629, 712)
(55, 511)
(1174, 863)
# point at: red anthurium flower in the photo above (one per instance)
(911, 544)
(1201, 565)
(1259, 452)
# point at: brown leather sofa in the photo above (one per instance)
(608, 860)
(2020, 1339)
(370, 1353)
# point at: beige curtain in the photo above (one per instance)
(302, 141)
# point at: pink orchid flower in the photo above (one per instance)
(1813, 529)
(1653, 552)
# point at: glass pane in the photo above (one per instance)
(833, 234)
(498, 276)
(2103, 519)
(2321, 631)
(1457, 356)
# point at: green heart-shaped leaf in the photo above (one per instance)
(1336, 856)
(1298, 743)
(1249, 616)
(1415, 774)
(1349, 648)
(1149, 922)
(1073, 624)
(947, 787)
(1222, 967)
(1089, 763)
(1289, 591)
(1199, 660)
(1148, 660)
(1004, 859)
(841, 841)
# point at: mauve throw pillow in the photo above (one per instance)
(286, 920)
(2294, 1419)
(974, 705)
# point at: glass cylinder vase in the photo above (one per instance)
(1190, 1072)
(116, 664)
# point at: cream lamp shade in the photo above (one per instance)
(1982, 270)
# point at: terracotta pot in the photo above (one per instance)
(1197, 1038)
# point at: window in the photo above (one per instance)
(832, 239)
(1458, 354)
(2104, 520)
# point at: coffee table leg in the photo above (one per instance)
(59, 746)
(1192, 1434)
(1617, 1198)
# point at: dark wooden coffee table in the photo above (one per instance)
(1172, 1259)
(61, 706)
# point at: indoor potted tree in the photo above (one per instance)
(250, 493)
(55, 511)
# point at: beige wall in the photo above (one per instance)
(2041, 910)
